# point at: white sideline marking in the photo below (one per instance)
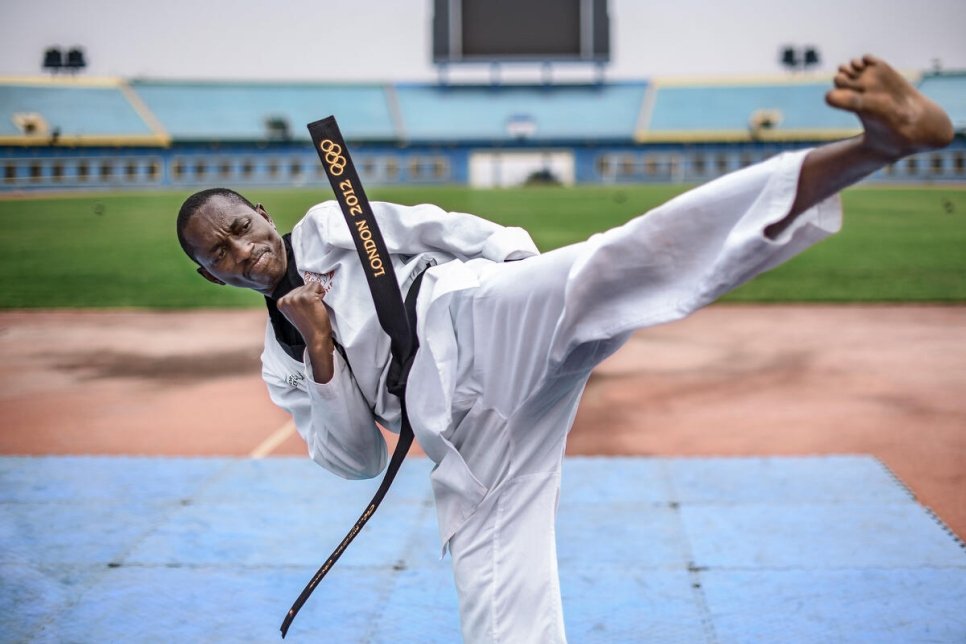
(276, 438)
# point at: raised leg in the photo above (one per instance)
(897, 121)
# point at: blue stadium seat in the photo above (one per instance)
(703, 109)
(84, 110)
(568, 112)
(949, 90)
(239, 111)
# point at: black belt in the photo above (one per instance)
(398, 319)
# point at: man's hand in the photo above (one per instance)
(304, 309)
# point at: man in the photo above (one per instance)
(506, 347)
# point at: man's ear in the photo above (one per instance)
(208, 276)
(260, 209)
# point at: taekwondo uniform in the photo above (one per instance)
(505, 351)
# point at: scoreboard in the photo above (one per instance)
(520, 30)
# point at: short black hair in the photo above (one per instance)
(195, 202)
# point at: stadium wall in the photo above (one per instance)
(29, 169)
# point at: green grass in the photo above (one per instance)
(120, 250)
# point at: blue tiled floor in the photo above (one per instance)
(831, 549)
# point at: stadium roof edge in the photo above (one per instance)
(134, 82)
(89, 140)
(944, 73)
(743, 136)
(519, 85)
(65, 81)
(754, 79)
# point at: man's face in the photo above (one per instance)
(237, 245)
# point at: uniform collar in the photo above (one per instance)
(285, 332)
(292, 279)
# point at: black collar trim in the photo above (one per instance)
(285, 332)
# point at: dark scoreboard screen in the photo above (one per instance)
(520, 30)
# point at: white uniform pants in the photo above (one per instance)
(529, 337)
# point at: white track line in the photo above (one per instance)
(277, 437)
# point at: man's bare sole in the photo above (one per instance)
(897, 118)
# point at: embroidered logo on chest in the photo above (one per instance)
(325, 279)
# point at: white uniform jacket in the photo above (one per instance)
(337, 419)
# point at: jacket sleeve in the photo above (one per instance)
(333, 418)
(409, 230)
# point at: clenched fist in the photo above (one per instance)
(304, 309)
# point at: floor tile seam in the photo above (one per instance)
(203, 565)
(99, 568)
(686, 547)
(804, 568)
(224, 467)
(313, 502)
(689, 458)
(698, 596)
(164, 511)
(895, 478)
(400, 567)
(353, 567)
(98, 572)
(93, 574)
(45, 567)
(564, 567)
(808, 504)
(206, 480)
(671, 459)
(100, 503)
(910, 503)
(932, 513)
(118, 457)
(309, 504)
(624, 566)
(165, 516)
(221, 473)
(567, 504)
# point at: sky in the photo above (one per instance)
(389, 40)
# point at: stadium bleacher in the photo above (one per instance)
(708, 112)
(95, 112)
(487, 113)
(949, 90)
(72, 133)
(241, 111)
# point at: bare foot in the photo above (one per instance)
(898, 120)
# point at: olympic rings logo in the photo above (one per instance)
(333, 156)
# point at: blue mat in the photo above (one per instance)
(831, 549)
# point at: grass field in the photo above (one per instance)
(120, 250)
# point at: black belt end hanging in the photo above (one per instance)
(398, 319)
